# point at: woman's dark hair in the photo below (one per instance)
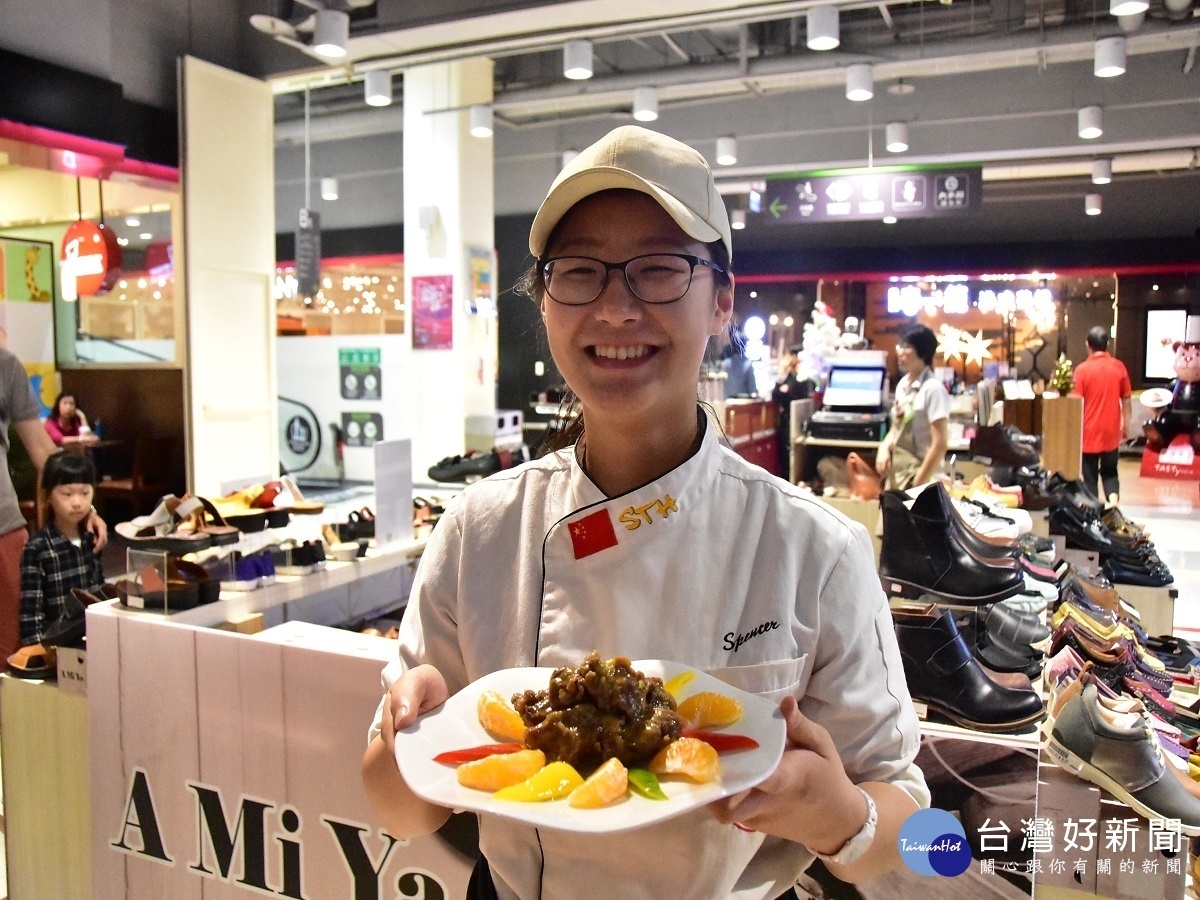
(56, 410)
(569, 426)
(67, 467)
(921, 339)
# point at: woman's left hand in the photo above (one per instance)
(809, 798)
(96, 526)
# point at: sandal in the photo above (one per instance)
(299, 505)
(165, 537)
(34, 661)
(236, 510)
(206, 519)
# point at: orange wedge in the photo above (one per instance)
(710, 710)
(498, 718)
(494, 772)
(688, 757)
(606, 784)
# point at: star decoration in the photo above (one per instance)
(975, 349)
(950, 342)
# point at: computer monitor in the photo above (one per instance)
(855, 387)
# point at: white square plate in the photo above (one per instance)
(455, 726)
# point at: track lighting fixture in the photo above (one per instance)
(331, 33)
(577, 60)
(823, 28)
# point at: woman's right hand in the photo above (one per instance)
(883, 460)
(413, 694)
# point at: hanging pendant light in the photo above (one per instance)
(481, 120)
(1101, 171)
(645, 104)
(1091, 122)
(577, 60)
(726, 150)
(331, 33)
(377, 88)
(822, 28)
(896, 137)
(860, 82)
(1109, 57)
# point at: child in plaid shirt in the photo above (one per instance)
(62, 555)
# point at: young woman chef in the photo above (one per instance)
(621, 543)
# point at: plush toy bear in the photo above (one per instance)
(1182, 414)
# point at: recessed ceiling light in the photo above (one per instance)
(146, 236)
(901, 88)
(133, 221)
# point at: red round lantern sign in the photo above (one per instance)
(91, 257)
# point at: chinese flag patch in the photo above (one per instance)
(593, 533)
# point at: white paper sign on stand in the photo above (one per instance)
(393, 492)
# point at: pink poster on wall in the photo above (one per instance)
(433, 312)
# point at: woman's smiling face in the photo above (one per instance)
(621, 356)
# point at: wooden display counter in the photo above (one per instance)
(750, 427)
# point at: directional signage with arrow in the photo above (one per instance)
(871, 194)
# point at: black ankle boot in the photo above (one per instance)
(942, 673)
(922, 555)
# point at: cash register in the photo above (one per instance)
(854, 405)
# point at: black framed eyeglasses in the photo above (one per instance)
(652, 278)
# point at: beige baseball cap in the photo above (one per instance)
(639, 159)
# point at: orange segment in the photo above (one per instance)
(606, 784)
(494, 772)
(498, 718)
(678, 683)
(555, 780)
(710, 710)
(689, 757)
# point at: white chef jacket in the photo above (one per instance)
(718, 565)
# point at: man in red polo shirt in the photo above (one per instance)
(1103, 383)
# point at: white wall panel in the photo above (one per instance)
(228, 178)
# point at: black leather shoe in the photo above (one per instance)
(1152, 576)
(921, 554)
(942, 673)
(998, 653)
(1075, 491)
(996, 443)
(1081, 527)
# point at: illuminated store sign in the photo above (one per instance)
(1034, 303)
(872, 194)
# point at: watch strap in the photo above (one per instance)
(860, 842)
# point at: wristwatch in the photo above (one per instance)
(861, 842)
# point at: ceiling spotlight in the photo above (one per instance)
(1092, 204)
(859, 82)
(1091, 122)
(1110, 57)
(377, 88)
(645, 104)
(1131, 22)
(577, 60)
(481, 120)
(564, 158)
(329, 189)
(331, 33)
(896, 137)
(726, 150)
(889, 220)
(900, 88)
(737, 219)
(146, 236)
(1101, 171)
(823, 28)
(1127, 7)
(133, 221)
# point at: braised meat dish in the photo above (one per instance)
(598, 710)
